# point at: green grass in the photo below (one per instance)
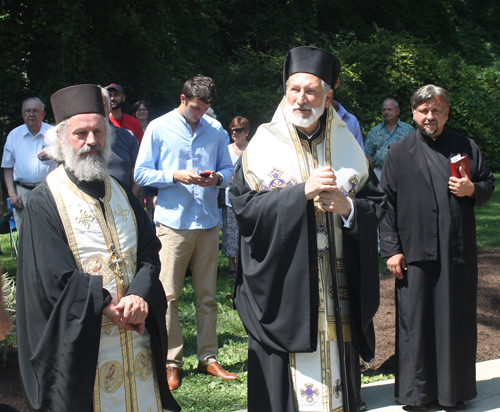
(9, 264)
(488, 221)
(205, 393)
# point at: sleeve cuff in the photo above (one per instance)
(349, 222)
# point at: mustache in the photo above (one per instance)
(301, 106)
(87, 148)
(430, 122)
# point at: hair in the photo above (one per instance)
(136, 106)
(107, 99)
(394, 100)
(33, 98)
(200, 87)
(325, 85)
(429, 92)
(54, 148)
(238, 120)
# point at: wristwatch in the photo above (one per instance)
(219, 182)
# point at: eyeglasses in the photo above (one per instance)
(142, 110)
(237, 130)
(35, 112)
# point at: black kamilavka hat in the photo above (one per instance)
(308, 59)
(72, 100)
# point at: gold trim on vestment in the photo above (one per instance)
(126, 367)
(97, 392)
(157, 387)
(297, 143)
(54, 181)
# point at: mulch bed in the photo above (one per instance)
(488, 317)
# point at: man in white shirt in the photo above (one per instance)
(24, 162)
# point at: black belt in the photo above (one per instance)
(29, 186)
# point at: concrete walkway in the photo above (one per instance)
(379, 396)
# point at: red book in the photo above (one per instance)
(456, 162)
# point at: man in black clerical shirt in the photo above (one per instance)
(90, 307)
(429, 238)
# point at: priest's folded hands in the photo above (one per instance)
(321, 186)
(322, 178)
(129, 313)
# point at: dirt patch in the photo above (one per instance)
(488, 317)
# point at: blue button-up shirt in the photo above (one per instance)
(351, 123)
(169, 145)
(379, 139)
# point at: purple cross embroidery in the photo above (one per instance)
(309, 393)
(337, 388)
(354, 183)
(276, 180)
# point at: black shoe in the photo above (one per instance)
(232, 273)
(461, 405)
(362, 406)
(415, 407)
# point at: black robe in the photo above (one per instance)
(276, 291)
(59, 307)
(436, 327)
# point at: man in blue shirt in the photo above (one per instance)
(351, 122)
(175, 151)
(381, 136)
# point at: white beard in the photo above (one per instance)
(88, 168)
(301, 121)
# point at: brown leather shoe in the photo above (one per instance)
(216, 370)
(174, 376)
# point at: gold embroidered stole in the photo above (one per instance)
(105, 244)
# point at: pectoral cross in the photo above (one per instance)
(114, 262)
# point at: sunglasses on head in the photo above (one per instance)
(237, 130)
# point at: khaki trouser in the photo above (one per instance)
(200, 249)
(23, 193)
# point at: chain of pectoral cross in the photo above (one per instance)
(115, 262)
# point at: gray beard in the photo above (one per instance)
(90, 168)
(300, 121)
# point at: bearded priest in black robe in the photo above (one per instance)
(293, 258)
(90, 307)
(429, 238)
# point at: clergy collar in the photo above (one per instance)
(433, 142)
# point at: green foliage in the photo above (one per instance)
(376, 378)
(152, 47)
(9, 302)
(488, 222)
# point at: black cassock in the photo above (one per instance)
(59, 307)
(276, 291)
(436, 328)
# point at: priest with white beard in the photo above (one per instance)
(296, 170)
(90, 306)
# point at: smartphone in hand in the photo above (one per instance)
(205, 173)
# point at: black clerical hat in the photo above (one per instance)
(308, 59)
(82, 98)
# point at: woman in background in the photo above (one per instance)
(140, 110)
(239, 128)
